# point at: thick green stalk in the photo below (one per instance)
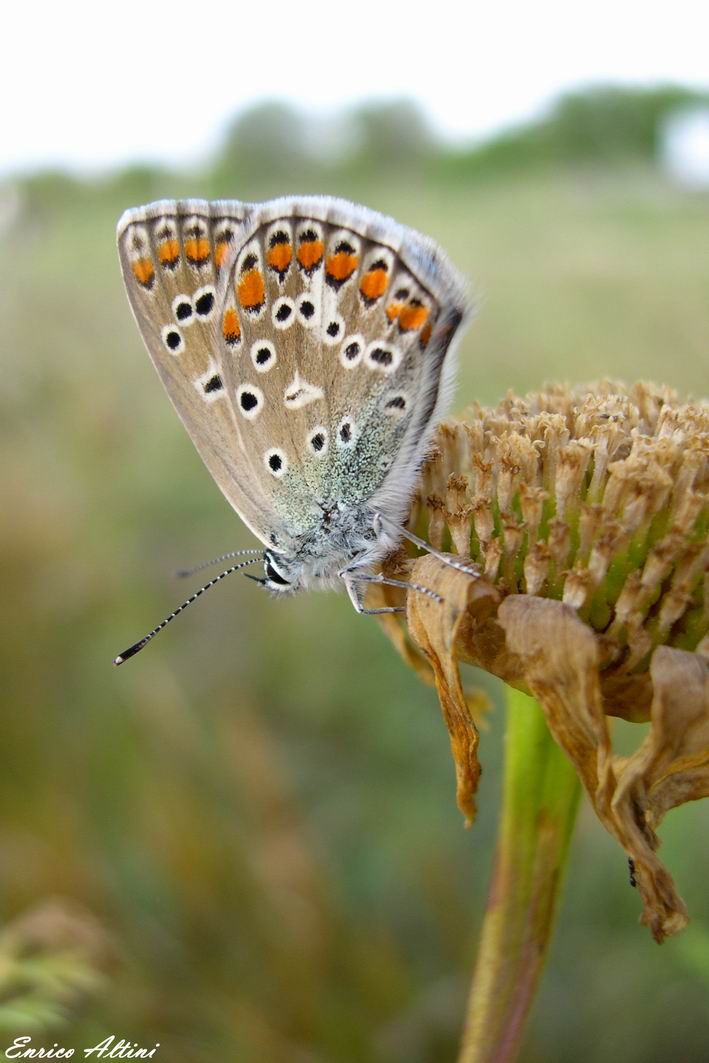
(540, 800)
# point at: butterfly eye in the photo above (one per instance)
(274, 576)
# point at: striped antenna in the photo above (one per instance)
(138, 646)
(182, 573)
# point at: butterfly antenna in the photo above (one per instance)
(138, 646)
(182, 573)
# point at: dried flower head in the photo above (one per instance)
(587, 511)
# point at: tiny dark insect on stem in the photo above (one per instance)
(631, 873)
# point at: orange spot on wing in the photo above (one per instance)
(412, 317)
(251, 290)
(220, 252)
(197, 251)
(393, 310)
(425, 334)
(374, 284)
(279, 257)
(144, 271)
(169, 253)
(341, 265)
(231, 326)
(310, 253)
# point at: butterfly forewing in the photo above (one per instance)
(171, 255)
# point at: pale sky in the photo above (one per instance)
(87, 85)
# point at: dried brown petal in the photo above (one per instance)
(672, 764)
(437, 628)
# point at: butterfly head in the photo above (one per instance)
(341, 540)
(281, 575)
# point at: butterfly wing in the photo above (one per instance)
(171, 256)
(346, 320)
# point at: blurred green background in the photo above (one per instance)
(250, 830)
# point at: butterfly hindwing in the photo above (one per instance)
(171, 255)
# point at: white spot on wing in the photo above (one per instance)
(300, 393)
(204, 302)
(307, 308)
(318, 439)
(352, 351)
(333, 328)
(210, 384)
(276, 461)
(396, 404)
(263, 355)
(183, 310)
(346, 432)
(173, 339)
(283, 313)
(382, 357)
(245, 396)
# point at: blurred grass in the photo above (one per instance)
(259, 810)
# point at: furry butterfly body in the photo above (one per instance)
(307, 345)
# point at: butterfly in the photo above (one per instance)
(307, 344)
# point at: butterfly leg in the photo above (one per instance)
(351, 579)
(470, 569)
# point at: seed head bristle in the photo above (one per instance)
(595, 496)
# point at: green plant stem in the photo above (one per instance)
(540, 801)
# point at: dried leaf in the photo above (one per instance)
(560, 663)
(561, 658)
(436, 628)
(672, 764)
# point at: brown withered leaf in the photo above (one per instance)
(378, 595)
(561, 658)
(541, 646)
(436, 628)
(670, 767)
